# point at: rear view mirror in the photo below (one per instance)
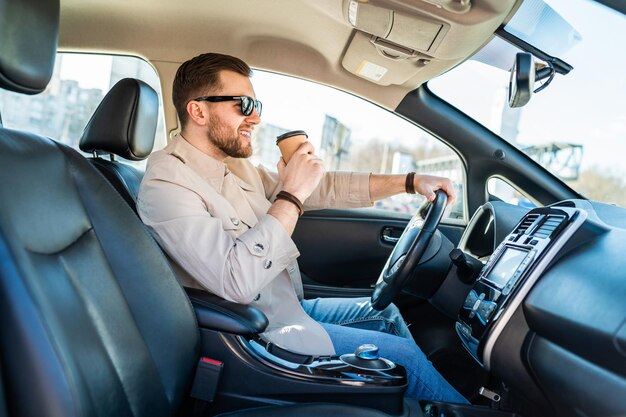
(524, 74)
(522, 80)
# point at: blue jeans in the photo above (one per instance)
(351, 322)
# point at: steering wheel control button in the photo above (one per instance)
(367, 351)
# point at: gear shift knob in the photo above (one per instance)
(367, 351)
(366, 357)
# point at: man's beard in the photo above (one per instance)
(227, 140)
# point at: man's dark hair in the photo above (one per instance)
(199, 76)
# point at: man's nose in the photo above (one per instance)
(254, 118)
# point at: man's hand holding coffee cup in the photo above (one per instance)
(303, 172)
(290, 141)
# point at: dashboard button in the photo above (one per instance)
(476, 304)
(463, 330)
(485, 311)
(470, 300)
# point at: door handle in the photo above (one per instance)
(387, 235)
(390, 239)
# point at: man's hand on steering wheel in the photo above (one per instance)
(426, 185)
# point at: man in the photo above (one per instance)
(227, 224)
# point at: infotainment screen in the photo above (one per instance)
(506, 265)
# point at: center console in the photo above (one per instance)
(230, 336)
(510, 273)
(364, 367)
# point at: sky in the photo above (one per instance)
(90, 70)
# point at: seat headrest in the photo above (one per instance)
(29, 33)
(125, 122)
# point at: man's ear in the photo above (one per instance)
(198, 114)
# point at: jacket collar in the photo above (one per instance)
(208, 168)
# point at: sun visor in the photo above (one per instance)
(389, 47)
(414, 32)
(367, 61)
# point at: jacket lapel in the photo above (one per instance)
(239, 194)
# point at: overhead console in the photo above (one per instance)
(397, 41)
(387, 40)
(510, 273)
(389, 27)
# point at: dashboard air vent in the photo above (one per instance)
(526, 223)
(549, 225)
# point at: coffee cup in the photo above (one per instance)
(289, 142)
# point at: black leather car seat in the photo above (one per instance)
(124, 124)
(92, 319)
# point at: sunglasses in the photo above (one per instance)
(248, 104)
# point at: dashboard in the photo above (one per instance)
(546, 314)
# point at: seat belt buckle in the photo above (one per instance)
(206, 379)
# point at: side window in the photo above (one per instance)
(78, 84)
(504, 191)
(351, 134)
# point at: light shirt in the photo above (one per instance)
(210, 217)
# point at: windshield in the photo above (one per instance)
(576, 127)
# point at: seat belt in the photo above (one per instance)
(206, 379)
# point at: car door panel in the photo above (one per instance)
(343, 251)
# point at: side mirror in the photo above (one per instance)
(522, 80)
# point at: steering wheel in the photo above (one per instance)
(408, 252)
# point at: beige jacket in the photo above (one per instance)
(211, 218)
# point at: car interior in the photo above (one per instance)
(519, 306)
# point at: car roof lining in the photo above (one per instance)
(268, 36)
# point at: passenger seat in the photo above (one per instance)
(124, 124)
